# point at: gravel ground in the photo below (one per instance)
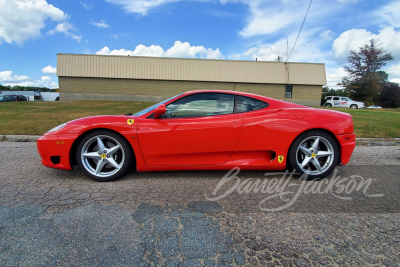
(51, 217)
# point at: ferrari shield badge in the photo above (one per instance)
(281, 158)
(130, 121)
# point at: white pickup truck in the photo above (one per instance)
(342, 102)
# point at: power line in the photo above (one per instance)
(300, 30)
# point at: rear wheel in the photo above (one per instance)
(314, 153)
(354, 106)
(103, 155)
(328, 105)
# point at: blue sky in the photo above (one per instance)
(32, 32)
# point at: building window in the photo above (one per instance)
(288, 92)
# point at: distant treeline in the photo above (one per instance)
(25, 88)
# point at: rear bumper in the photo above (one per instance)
(347, 144)
(54, 149)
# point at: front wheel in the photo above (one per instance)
(354, 106)
(103, 155)
(314, 153)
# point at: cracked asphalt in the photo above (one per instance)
(61, 218)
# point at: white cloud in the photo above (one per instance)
(118, 35)
(24, 19)
(327, 35)
(65, 27)
(49, 69)
(388, 38)
(276, 17)
(179, 49)
(269, 17)
(394, 73)
(86, 6)
(6, 78)
(140, 6)
(307, 49)
(388, 15)
(334, 76)
(100, 24)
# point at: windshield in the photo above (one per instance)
(349, 99)
(154, 106)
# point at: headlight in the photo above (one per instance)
(59, 127)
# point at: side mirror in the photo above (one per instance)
(160, 110)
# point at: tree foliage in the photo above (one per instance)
(390, 96)
(24, 88)
(364, 79)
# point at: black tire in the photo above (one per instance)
(121, 157)
(354, 106)
(327, 163)
(328, 105)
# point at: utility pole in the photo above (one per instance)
(287, 49)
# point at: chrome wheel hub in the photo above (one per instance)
(102, 156)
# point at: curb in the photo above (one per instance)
(359, 141)
(19, 138)
(378, 141)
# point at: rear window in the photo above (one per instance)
(329, 98)
(246, 104)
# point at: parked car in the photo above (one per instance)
(374, 106)
(13, 98)
(1, 98)
(204, 130)
(342, 102)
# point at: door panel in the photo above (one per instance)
(344, 102)
(189, 141)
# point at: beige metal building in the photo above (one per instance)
(98, 77)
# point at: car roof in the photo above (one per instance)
(269, 100)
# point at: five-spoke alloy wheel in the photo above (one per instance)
(314, 153)
(103, 155)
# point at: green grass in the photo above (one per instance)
(36, 118)
(383, 123)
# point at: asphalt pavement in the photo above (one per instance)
(51, 217)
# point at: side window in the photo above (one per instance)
(343, 98)
(336, 98)
(245, 104)
(288, 92)
(329, 98)
(200, 105)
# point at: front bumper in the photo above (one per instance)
(54, 149)
(347, 144)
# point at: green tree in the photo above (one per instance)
(390, 96)
(25, 88)
(364, 78)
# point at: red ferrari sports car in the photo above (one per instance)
(204, 130)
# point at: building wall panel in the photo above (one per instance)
(151, 68)
(78, 88)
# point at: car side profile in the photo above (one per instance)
(374, 106)
(204, 130)
(13, 98)
(342, 102)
